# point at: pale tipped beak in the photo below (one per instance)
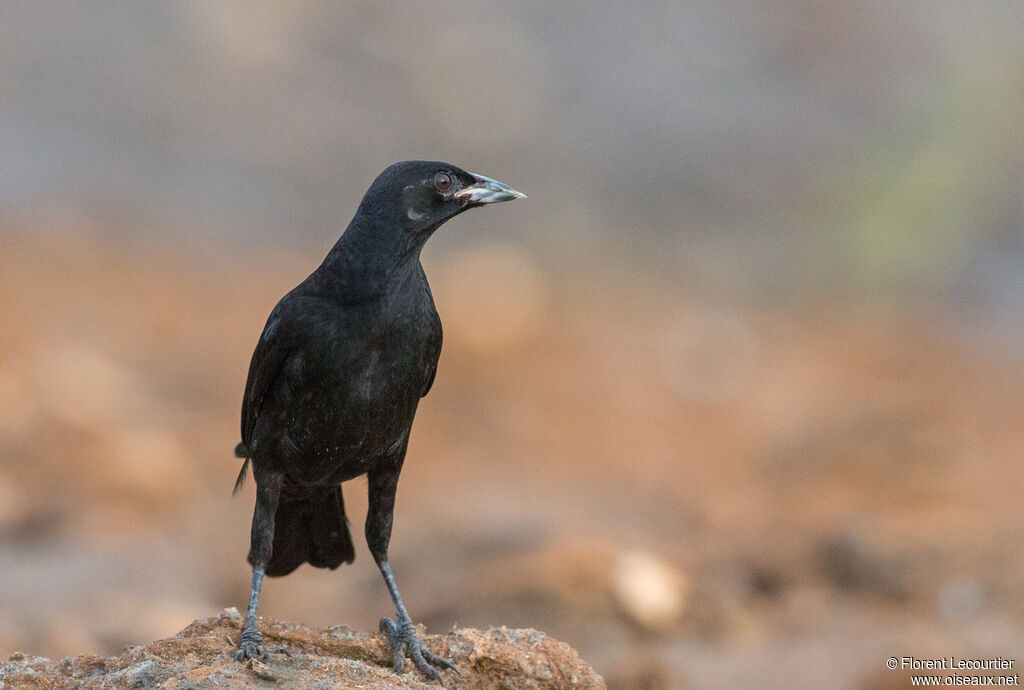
(484, 190)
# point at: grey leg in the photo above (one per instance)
(401, 633)
(268, 491)
(251, 646)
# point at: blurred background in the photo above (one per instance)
(735, 399)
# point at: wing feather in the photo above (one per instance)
(278, 344)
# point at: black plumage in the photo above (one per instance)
(335, 381)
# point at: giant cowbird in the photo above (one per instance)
(334, 384)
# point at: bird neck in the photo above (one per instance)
(369, 260)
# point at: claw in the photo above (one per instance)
(250, 650)
(439, 661)
(251, 646)
(404, 641)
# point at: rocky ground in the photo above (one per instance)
(200, 656)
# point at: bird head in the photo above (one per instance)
(424, 194)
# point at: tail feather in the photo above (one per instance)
(240, 482)
(312, 530)
(241, 452)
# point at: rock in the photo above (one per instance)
(651, 591)
(200, 656)
(860, 559)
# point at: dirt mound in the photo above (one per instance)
(200, 656)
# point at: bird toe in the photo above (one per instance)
(404, 642)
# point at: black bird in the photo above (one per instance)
(334, 383)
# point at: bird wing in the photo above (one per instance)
(278, 343)
(430, 380)
(433, 326)
(434, 353)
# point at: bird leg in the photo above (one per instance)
(251, 645)
(402, 635)
(268, 490)
(401, 632)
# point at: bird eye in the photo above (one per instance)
(443, 181)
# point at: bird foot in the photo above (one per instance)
(404, 641)
(251, 646)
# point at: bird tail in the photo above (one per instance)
(311, 530)
(241, 452)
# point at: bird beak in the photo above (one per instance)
(484, 190)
